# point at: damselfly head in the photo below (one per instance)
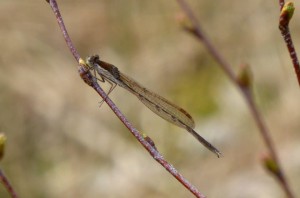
(92, 60)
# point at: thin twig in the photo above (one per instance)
(281, 4)
(246, 91)
(147, 144)
(92, 81)
(197, 31)
(7, 185)
(63, 29)
(286, 13)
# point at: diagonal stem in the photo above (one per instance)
(197, 31)
(63, 29)
(148, 145)
(7, 185)
(92, 81)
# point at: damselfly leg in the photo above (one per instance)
(101, 79)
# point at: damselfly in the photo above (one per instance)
(153, 101)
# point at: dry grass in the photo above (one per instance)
(60, 144)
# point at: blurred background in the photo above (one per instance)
(61, 144)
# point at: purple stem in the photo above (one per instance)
(7, 185)
(197, 31)
(90, 80)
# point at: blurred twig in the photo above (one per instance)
(92, 81)
(281, 4)
(286, 13)
(3, 178)
(7, 185)
(245, 88)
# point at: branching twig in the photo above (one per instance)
(245, 89)
(92, 81)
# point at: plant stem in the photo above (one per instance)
(7, 185)
(196, 30)
(92, 81)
